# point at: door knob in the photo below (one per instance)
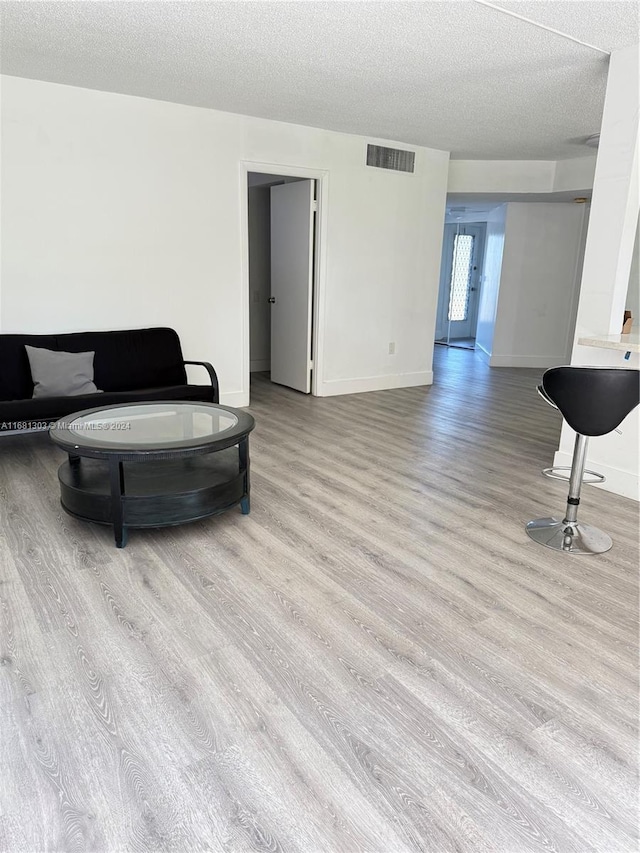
(272, 299)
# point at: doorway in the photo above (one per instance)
(460, 284)
(283, 259)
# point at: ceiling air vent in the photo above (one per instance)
(390, 158)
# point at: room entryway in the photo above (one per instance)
(282, 239)
(460, 284)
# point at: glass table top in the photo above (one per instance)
(151, 424)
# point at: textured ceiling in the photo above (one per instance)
(454, 75)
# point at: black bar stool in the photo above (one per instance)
(593, 401)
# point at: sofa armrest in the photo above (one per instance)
(213, 376)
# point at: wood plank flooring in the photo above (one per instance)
(376, 659)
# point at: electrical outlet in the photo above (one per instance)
(392, 347)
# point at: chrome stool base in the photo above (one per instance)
(572, 537)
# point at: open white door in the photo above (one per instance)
(292, 236)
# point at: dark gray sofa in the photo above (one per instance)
(130, 366)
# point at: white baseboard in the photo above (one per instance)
(526, 360)
(620, 482)
(235, 399)
(259, 365)
(484, 354)
(334, 387)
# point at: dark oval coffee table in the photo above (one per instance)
(153, 464)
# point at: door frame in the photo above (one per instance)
(321, 178)
(450, 231)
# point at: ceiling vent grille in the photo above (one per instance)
(390, 158)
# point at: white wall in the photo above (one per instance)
(576, 174)
(539, 285)
(522, 176)
(501, 176)
(615, 203)
(120, 211)
(491, 273)
(260, 277)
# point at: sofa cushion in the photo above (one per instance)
(56, 374)
(130, 359)
(18, 414)
(123, 361)
(15, 376)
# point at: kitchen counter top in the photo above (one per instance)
(624, 343)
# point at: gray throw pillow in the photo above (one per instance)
(61, 374)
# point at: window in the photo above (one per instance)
(460, 277)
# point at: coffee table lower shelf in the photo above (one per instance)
(153, 493)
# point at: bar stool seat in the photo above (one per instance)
(557, 472)
(593, 401)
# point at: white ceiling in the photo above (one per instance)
(455, 75)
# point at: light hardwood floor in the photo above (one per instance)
(376, 659)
